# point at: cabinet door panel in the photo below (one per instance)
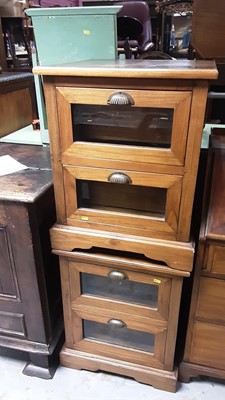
(208, 345)
(215, 262)
(153, 129)
(8, 280)
(211, 300)
(12, 324)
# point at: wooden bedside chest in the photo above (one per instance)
(125, 139)
(204, 353)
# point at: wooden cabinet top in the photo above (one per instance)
(156, 69)
(215, 221)
(27, 185)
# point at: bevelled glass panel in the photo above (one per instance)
(127, 125)
(118, 336)
(131, 199)
(124, 290)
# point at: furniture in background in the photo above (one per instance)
(176, 25)
(30, 296)
(17, 101)
(125, 139)
(56, 3)
(92, 34)
(16, 43)
(204, 353)
(155, 18)
(134, 28)
(208, 17)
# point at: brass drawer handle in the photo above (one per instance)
(117, 276)
(116, 323)
(121, 99)
(119, 177)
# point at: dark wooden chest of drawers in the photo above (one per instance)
(30, 295)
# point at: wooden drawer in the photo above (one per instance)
(215, 259)
(137, 127)
(120, 307)
(119, 335)
(120, 289)
(123, 201)
(207, 346)
(211, 300)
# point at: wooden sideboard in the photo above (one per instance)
(125, 139)
(204, 353)
(31, 321)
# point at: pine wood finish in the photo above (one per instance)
(204, 353)
(124, 190)
(145, 319)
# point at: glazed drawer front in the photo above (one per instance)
(208, 345)
(119, 289)
(215, 260)
(211, 300)
(120, 311)
(119, 335)
(130, 125)
(120, 307)
(115, 332)
(106, 199)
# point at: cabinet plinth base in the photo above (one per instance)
(189, 370)
(159, 379)
(39, 372)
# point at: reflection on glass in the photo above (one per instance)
(124, 290)
(134, 126)
(118, 336)
(114, 197)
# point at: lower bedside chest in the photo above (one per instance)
(121, 314)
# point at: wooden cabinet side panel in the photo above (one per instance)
(194, 300)
(55, 149)
(192, 158)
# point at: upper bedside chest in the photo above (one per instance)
(125, 140)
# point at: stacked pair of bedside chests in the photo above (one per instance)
(125, 140)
